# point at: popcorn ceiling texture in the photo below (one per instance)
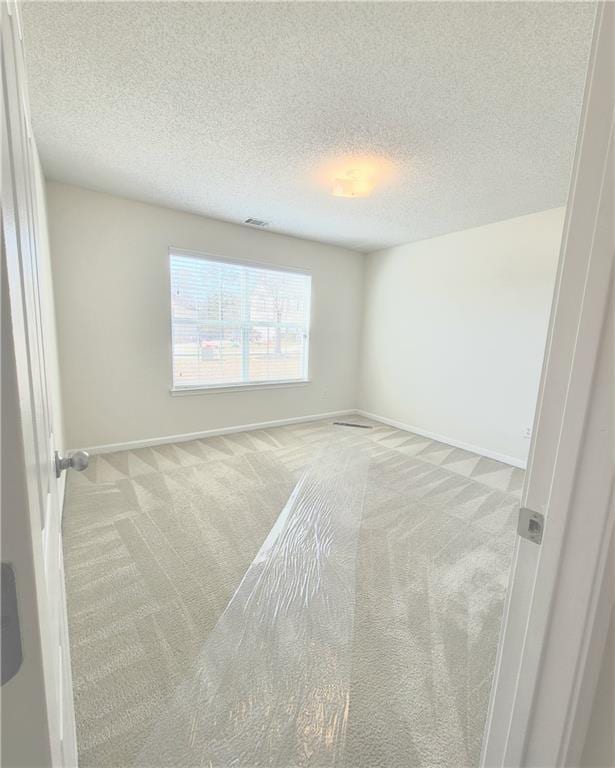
(229, 109)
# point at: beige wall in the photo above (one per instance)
(455, 328)
(110, 261)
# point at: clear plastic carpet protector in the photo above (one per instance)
(271, 684)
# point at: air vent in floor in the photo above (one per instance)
(256, 222)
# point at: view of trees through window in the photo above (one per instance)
(237, 324)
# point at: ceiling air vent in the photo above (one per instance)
(256, 223)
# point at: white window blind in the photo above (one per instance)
(237, 324)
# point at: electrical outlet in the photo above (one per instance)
(528, 433)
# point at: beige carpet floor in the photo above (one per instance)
(361, 631)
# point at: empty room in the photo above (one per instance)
(307, 375)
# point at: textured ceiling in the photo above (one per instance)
(233, 109)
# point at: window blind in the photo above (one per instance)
(237, 324)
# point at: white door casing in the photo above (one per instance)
(544, 668)
(37, 714)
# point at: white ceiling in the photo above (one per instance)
(231, 109)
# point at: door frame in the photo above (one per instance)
(38, 725)
(559, 599)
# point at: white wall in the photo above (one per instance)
(453, 328)
(110, 261)
(454, 332)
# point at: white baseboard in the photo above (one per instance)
(512, 460)
(129, 446)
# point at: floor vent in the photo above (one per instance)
(349, 424)
(256, 222)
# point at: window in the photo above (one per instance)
(235, 324)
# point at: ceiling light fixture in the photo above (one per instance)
(354, 175)
(352, 184)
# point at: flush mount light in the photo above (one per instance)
(354, 175)
(352, 184)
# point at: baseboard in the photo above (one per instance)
(129, 446)
(512, 460)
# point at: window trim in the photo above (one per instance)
(204, 389)
(213, 389)
(232, 260)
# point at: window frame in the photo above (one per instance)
(241, 386)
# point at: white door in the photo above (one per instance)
(37, 713)
(553, 625)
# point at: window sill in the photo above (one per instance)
(217, 389)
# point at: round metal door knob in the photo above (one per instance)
(77, 460)
(80, 460)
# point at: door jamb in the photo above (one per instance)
(545, 675)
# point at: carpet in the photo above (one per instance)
(306, 595)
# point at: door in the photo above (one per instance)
(553, 626)
(37, 713)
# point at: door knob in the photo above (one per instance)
(78, 460)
